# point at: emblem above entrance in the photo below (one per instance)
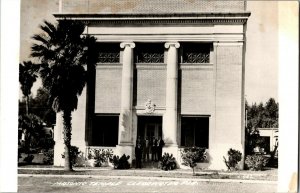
(149, 106)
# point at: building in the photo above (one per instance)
(270, 137)
(171, 68)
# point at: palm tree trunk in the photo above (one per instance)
(27, 104)
(67, 139)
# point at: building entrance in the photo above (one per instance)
(153, 129)
(149, 126)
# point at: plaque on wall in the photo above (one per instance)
(149, 106)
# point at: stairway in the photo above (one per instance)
(147, 164)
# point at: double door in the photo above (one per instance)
(153, 129)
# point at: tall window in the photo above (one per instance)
(195, 53)
(149, 53)
(195, 131)
(109, 53)
(105, 131)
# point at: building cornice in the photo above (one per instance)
(158, 19)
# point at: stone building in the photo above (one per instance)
(173, 69)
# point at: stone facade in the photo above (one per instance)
(209, 86)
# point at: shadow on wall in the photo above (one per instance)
(125, 123)
(168, 141)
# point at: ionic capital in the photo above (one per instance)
(169, 44)
(129, 44)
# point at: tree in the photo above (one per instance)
(191, 155)
(41, 107)
(64, 53)
(262, 116)
(271, 113)
(32, 126)
(27, 76)
(259, 116)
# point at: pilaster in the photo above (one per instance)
(170, 119)
(125, 140)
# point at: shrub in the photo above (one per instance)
(256, 162)
(167, 162)
(74, 153)
(100, 156)
(234, 156)
(191, 155)
(48, 157)
(29, 158)
(81, 161)
(46, 143)
(120, 163)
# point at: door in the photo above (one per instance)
(153, 129)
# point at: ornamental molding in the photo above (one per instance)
(151, 66)
(129, 44)
(203, 67)
(159, 19)
(169, 44)
(149, 107)
(108, 66)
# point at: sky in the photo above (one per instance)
(261, 71)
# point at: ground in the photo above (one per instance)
(106, 179)
(141, 184)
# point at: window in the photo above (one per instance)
(105, 130)
(265, 141)
(195, 131)
(150, 53)
(195, 53)
(109, 53)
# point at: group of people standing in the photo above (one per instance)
(145, 147)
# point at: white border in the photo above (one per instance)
(9, 93)
(288, 95)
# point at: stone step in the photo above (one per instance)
(147, 164)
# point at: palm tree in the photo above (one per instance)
(27, 76)
(64, 53)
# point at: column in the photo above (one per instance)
(170, 118)
(125, 141)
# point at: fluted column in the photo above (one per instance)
(125, 120)
(170, 117)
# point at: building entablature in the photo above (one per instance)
(212, 18)
(196, 27)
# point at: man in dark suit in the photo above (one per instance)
(154, 149)
(139, 152)
(160, 144)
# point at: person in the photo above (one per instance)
(146, 149)
(138, 152)
(150, 148)
(154, 149)
(160, 144)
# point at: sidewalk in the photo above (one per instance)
(268, 176)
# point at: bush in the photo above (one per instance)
(120, 163)
(29, 158)
(256, 162)
(167, 162)
(191, 155)
(46, 143)
(74, 154)
(234, 156)
(100, 156)
(81, 161)
(48, 157)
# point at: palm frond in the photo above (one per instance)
(40, 38)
